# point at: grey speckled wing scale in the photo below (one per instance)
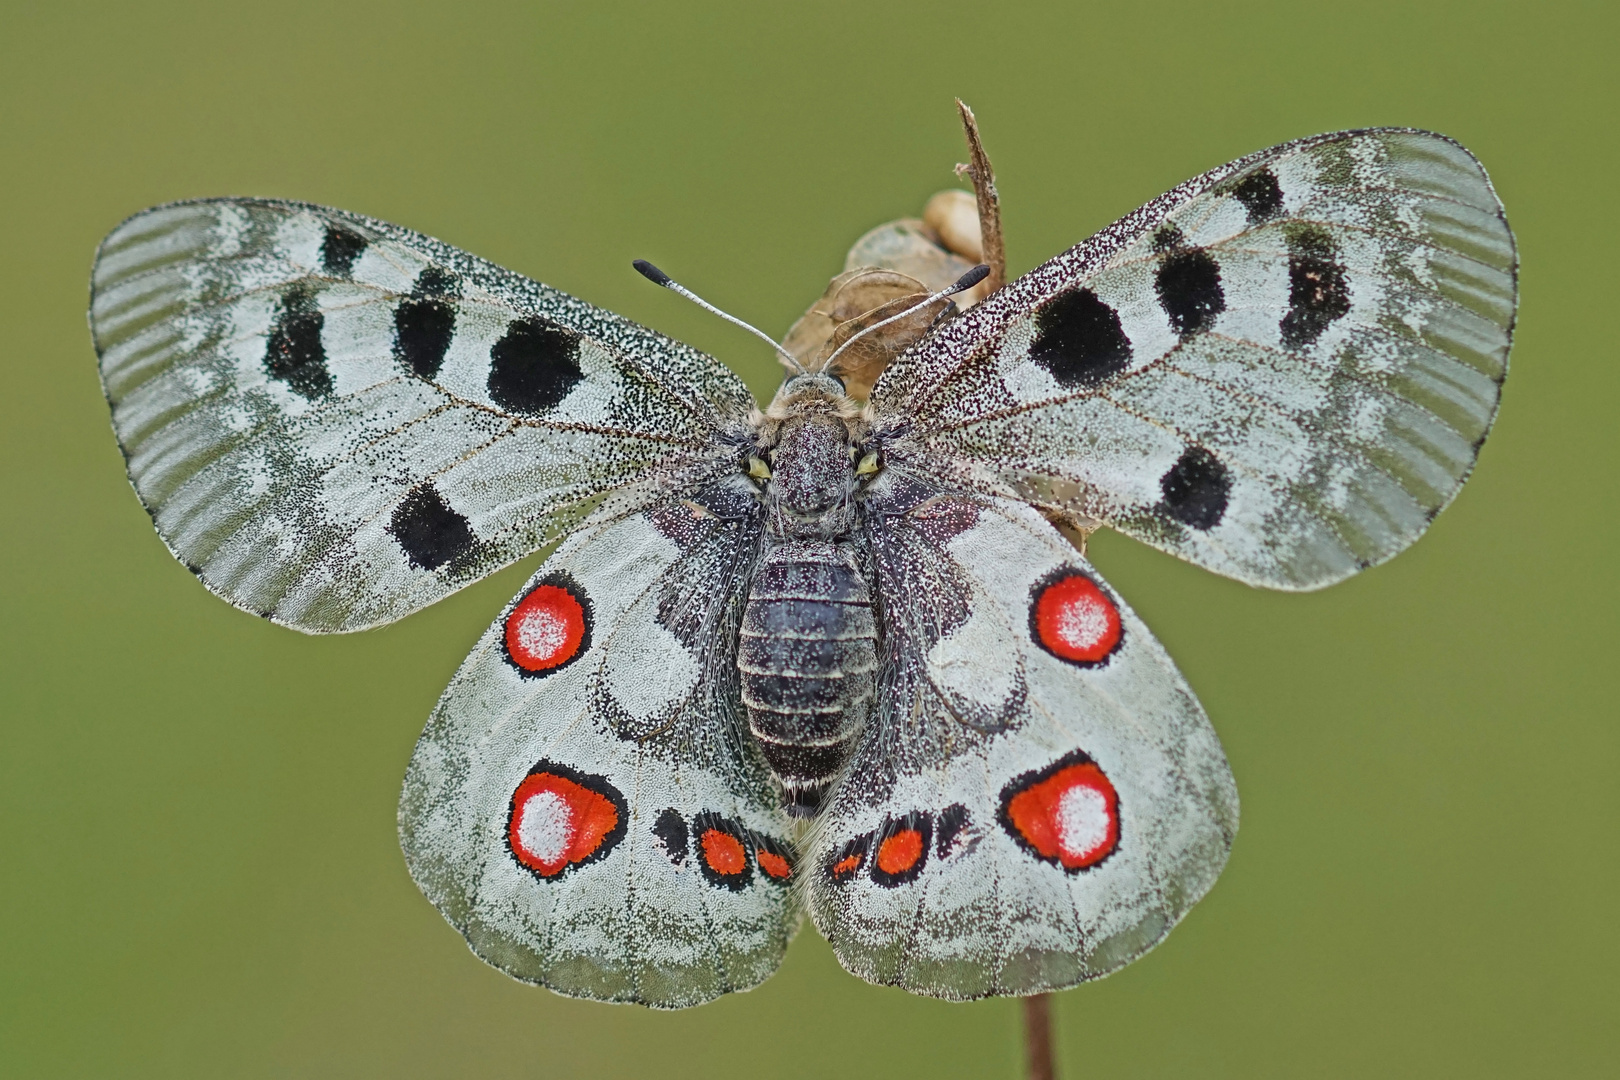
(584, 805)
(1280, 370)
(335, 421)
(1022, 824)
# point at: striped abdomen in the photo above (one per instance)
(808, 661)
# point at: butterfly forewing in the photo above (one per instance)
(583, 806)
(336, 421)
(1281, 370)
(1041, 797)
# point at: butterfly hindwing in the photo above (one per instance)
(335, 421)
(1281, 370)
(583, 805)
(1041, 797)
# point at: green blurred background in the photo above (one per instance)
(199, 873)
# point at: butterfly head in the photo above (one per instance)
(807, 457)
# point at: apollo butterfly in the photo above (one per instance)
(845, 654)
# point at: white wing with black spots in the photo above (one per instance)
(1041, 797)
(1281, 370)
(584, 805)
(335, 421)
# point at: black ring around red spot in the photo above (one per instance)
(582, 818)
(723, 850)
(1072, 616)
(847, 861)
(549, 628)
(901, 848)
(1033, 813)
(775, 858)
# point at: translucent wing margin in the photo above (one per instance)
(335, 421)
(1041, 797)
(1281, 370)
(583, 805)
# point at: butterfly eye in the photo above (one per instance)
(757, 468)
(869, 464)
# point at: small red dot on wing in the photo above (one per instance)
(774, 865)
(723, 852)
(900, 852)
(545, 629)
(1075, 620)
(847, 865)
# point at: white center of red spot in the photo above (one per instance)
(1075, 620)
(545, 828)
(546, 629)
(541, 632)
(1083, 624)
(1082, 820)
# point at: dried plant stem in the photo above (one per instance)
(1038, 1037)
(983, 176)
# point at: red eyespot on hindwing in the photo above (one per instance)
(775, 858)
(549, 627)
(560, 818)
(902, 849)
(849, 858)
(722, 850)
(1073, 619)
(1067, 813)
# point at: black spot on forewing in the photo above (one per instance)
(1196, 489)
(1167, 238)
(294, 354)
(670, 828)
(436, 281)
(1189, 286)
(1318, 293)
(1260, 195)
(429, 531)
(424, 324)
(339, 250)
(1079, 340)
(533, 366)
(422, 332)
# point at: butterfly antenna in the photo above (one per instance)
(961, 284)
(658, 277)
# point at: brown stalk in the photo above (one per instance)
(983, 176)
(1038, 1037)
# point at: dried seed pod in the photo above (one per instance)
(860, 365)
(954, 216)
(849, 295)
(911, 248)
(893, 266)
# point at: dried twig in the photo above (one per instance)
(983, 176)
(1038, 1037)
